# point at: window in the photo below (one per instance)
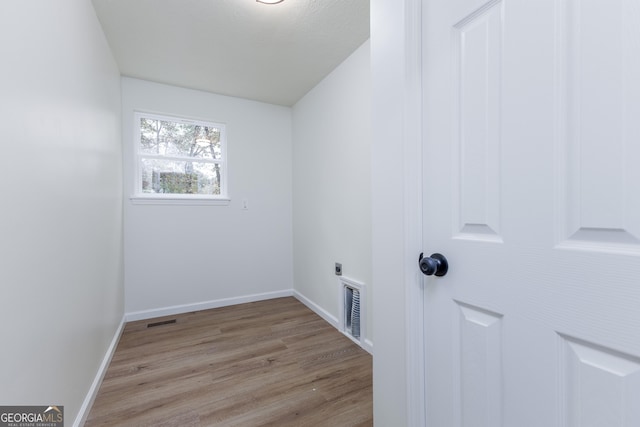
(179, 159)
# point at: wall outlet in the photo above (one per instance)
(338, 269)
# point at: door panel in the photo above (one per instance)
(477, 53)
(597, 378)
(480, 340)
(531, 190)
(598, 101)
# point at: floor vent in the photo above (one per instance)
(164, 322)
(352, 304)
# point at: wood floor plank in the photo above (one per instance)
(267, 363)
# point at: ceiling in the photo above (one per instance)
(242, 48)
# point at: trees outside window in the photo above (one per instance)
(177, 156)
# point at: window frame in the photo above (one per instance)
(138, 197)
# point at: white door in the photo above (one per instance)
(531, 129)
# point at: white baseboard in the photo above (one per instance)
(81, 418)
(206, 305)
(366, 344)
(331, 319)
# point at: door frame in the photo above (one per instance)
(398, 312)
(413, 188)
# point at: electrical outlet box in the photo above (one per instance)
(338, 269)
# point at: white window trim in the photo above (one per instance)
(139, 198)
(174, 200)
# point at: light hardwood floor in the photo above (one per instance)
(267, 363)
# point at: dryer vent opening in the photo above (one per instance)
(352, 312)
(351, 307)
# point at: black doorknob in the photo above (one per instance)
(436, 264)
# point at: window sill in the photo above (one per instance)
(177, 200)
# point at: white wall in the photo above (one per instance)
(184, 255)
(61, 218)
(390, 227)
(332, 184)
